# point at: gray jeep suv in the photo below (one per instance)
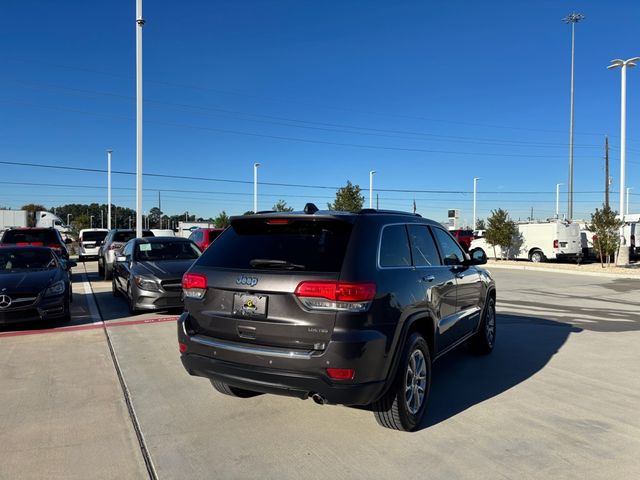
(344, 308)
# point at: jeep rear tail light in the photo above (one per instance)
(194, 285)
(341, 373)
(555, 244)
(329, 295)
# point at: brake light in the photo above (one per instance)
(555, 244)
(341, 373)
(54, 246)
(194, 285)
(277, 221)
(183, 347)
(329, 295)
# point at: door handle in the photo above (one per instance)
(428, 278)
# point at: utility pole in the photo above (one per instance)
(558, 200)
(475, 191)
(606, 171)
(572, 19)
(101, 218)
(160, 210)
(371, 174)
(139, 25)
(255, 187)
(377, 202)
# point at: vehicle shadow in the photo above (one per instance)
(524, 345)
(116, 308)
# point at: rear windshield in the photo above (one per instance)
(46, 236)
(157, 251)
(317, 246)
(126, 236)
(25, 259)
(93, 236)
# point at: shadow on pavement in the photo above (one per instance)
(524, 345)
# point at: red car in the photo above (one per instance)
(203, 237)
(464, 238)
(36, 237)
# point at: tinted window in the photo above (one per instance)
(25, 259)
(317, 246)
(156, 251)
(125, 236)
(450, 250)
(213, 234)
(93, 236)
(423, 247)
(394, 248)
(46, 236)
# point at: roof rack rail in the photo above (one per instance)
(394, 212)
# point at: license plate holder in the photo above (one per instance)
(250, 305)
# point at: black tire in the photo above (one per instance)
(107, 273)
(130, 302)
(80, 258)
(394, 410)
(483, 341)
(233, 391)
(536, 256)
(67, 311)
(100, 269)
(114, 288)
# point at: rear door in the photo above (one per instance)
(252, 276)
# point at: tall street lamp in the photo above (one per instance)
(475, 191)
(371, 174)
(255, 187)
(68, 216)
(109, 188)
(623, 64)
(627, 209)
(139, 25)
(91, 221)
(572, 19)
(558, 200)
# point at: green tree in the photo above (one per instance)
(248, 212)
(281, 206)
(480, 224)
(222, 220)
(32, 208)
(348, 199)
(501, 231)
(155, 214)
(606, 230)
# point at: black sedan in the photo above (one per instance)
(34, 285)
(148, 271)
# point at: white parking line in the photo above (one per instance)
(91, 301)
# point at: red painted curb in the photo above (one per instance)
(92, 326)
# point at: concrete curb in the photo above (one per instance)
(559, 270)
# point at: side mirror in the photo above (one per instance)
(121, 259)
(68, 241)
(478, 257)
(71, 264)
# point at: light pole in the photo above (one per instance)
(475, 191)
(558, 200)
(68, 216)
(101, 218)
(139, 25)
(627, 208)
(109, 188)
(623, 64)
(255, 187)
(572, 18)
(91, 221)
(371, 174)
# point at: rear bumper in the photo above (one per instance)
(299, 374)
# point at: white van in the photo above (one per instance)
(89, 242)
(538, 242)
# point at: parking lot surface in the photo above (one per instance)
(558, 398)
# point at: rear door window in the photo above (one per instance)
(47, 236)
(423, 247)
(93, 236)
(394, 247)
(298, 245)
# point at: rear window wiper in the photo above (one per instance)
(271, 263)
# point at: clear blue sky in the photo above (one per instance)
(429, 94)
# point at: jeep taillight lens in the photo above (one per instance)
(194, 285)
(341, 373)
(330, 295)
